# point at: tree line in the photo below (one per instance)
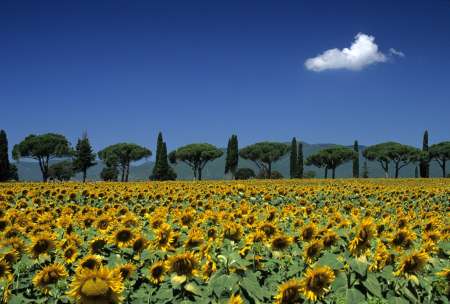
(58, 160)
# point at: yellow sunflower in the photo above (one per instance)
(48, 276)
(317, 282)
(289, 292)
(412, 264)
(183, 265)
(235, 299)
(42, 244)
(157, 272)
(98, 286)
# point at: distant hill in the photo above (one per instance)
(29, 171)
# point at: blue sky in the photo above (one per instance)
(201, 70)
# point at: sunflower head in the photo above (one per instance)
(403, 238)
(48, 276)
(123, 237)
(5, 271)
(42, 244)
(412, 264)
(183, 264)
(157, 272)
(280, 242)
(91, 262)
(97, 244)
(317, 282)
(308, 232)
(289, 292)
(70, 254)
(312, 251)
(125, 271)
(235, 299)
(100, 286)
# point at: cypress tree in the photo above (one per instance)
(425, 163)
(162, 169)
(356, 160)
(84, 156)
(232, 157)
(365, 173)
(300, 161)
(4, 159)
(293, 168)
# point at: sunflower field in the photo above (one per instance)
(285, 241)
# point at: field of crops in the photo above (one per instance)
(347, 241)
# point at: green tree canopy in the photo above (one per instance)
(400, 155)
(264, 154)
(441, 154)
(43, 148)
(245, 173)
(196, 156)
(62, 171)
(331, 158)
(84, 157)
(123, 154)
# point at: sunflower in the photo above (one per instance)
(195, 238)
(232, 231)
(308, 232)
(139, 244)
(90, 261)
(123, 237)
(280, 242)
(42, 244)
(329, 238)
(184, 265)
(97, 244)
(157, 272)
(48, 276)
(126, 270)
(5, 271)
(361, 241)
(289, 292)
(235, 299)
(412, 264)
(317, 282)
(98, 286)
(403, 238)
(70, 254)
(164, 237)
(312, 251)
(208, 269)
(381, 258)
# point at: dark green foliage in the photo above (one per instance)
(43, 148)
(309, 174)
(400, 155)
(300, 161)
(293, 166)
(62, 171)
(162, 170)
(244, 173)
(109, 174)
(425, 162)
(365, 173)
(84, 156)
(122, 155)
(441, 154)
(416, 172)
(13, 174)
(274, 175)
(4, 158)
(331, 158)
(232, 158)
(263, 154)
(356, 160)
(195, 156)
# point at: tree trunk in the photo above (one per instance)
(127, 172)
(270, 170)
(84, 175)
(443, 169)
(397, 170)
(333, 171)
(326, 173)
(199, 173)
(44, 177)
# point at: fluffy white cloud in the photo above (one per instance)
(361, 53)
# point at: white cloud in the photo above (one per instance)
(362, 52)
(397, 53)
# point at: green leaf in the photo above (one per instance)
(339, 284)
(358, 267)
(445, 246)
(252, 286)
(373, 285)
(329, 259)
(354, 296)
(387, 273)
(397, 300)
